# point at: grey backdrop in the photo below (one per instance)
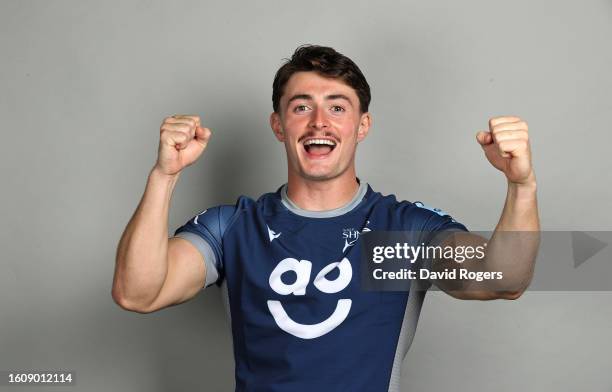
(85, 86)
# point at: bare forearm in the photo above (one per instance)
(514, 245)
(142, 253)
(520, 211)
(511, 251)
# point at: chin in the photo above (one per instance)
(320, 175)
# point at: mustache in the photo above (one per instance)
(312, 134)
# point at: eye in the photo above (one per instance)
(300, 108)
(337, 109)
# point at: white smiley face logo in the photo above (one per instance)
(302, 269)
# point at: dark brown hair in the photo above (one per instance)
(326, 62)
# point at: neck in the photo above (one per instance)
(322, 195)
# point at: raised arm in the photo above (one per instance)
(151, 270)
(513, 247)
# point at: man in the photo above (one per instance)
(288, 262)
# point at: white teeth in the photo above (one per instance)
(319, 141)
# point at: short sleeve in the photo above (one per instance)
(437, 227)
(205, 231)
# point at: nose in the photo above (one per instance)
(318, 119)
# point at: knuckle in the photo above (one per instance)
(182, 128)
(494, 121)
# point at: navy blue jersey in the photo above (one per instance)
(300, 321)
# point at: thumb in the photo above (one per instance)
(202, 135)
(484, 138)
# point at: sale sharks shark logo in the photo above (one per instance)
(351, 235)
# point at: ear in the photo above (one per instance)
(277, 128)
(364, 126)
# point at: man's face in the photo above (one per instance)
(320, 123)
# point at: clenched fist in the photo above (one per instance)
(182, 140)
(506, 146)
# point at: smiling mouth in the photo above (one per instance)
(319, 148)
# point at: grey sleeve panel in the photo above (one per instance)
(207, 253)
(409, 326)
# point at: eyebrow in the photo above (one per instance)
(330, 97)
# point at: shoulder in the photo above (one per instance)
(415, 215)
(429, 210)
(404, 206)
(216, 220)
(245, 207)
